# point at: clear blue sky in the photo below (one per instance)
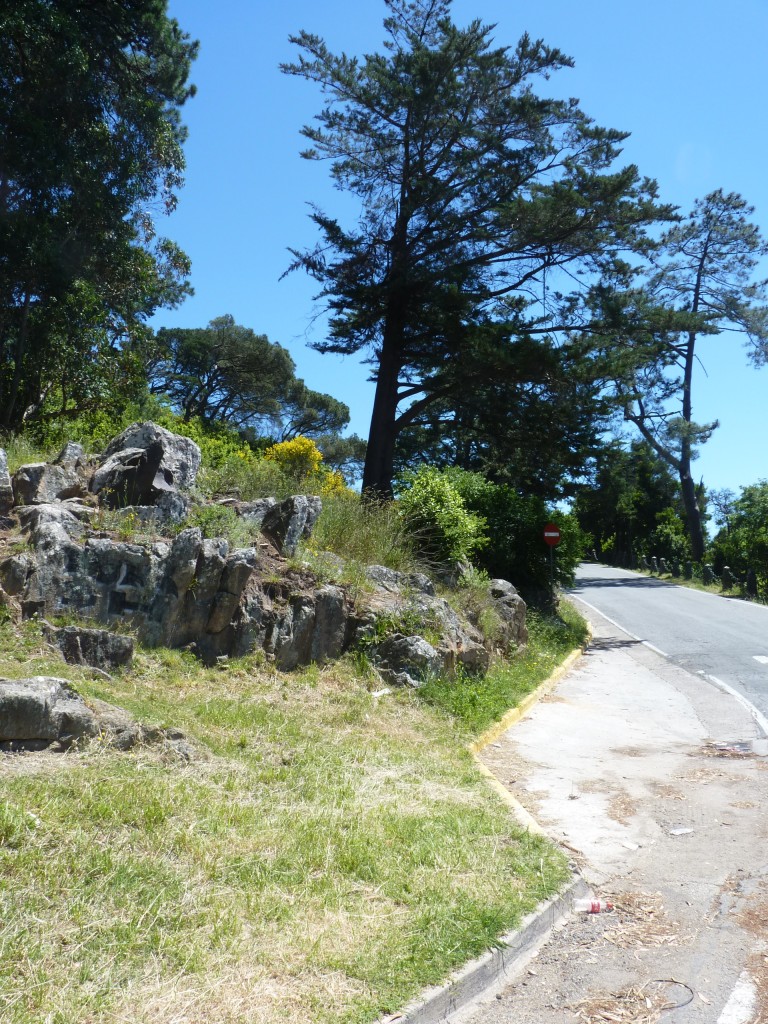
(686, 77)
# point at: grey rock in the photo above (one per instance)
(33, 519)
(14, 573)
(99, 648)
(43, 708)
(408, 660)
(291, 520)
(42, 483)
(71, 456)
(6, 487)
(254, 511)
(181, 458)
(330, 627)
(132, 476)
(396, 582)
(170, 509)
(511, 609)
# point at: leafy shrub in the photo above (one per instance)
(443, 529)
(299, 458)
(668, 539)
(516, 550)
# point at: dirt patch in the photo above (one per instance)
(641, 922)
(664, 791)
(734, 751)
(637, 1005)
(621, 808)
(630, 751)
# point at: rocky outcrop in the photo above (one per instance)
(180, 457)
(179, 589)
(425, 636)
(511, 610)
(291, 521)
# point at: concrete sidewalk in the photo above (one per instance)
(648, 777)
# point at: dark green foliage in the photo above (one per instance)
(471, 190)
(619, 508)
(221, 373)
(90, 136)
(228, 374)
(743, 543)
(530, 418)
(515, 550)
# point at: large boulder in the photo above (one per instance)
(45, 712)
(41, 483)
(42, 709)
(144, 462)
(98, 648)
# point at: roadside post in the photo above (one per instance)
(552, 538)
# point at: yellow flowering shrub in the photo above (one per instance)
(299, 458)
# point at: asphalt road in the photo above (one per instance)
(720, 637)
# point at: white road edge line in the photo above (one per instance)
(762, 658)
(741, 1003)
(760, 720)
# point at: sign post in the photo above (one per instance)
(552, 538)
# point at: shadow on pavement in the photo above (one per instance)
(610, 643)
(637, 582)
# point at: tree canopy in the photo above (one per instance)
(474, 193)
(90, 139)
(700, 282)
(227, 374)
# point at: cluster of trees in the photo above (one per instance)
(512, 285)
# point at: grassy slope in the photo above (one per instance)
(328, 855)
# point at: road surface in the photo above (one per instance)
(720, 637)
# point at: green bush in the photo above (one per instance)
(516, 550)
(443, 528)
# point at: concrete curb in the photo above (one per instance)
(492, 971)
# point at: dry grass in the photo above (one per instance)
(643, 1004)
(641, 922)
(325, 856)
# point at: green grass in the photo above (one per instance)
(364, 532)
(327, 855)
(478, 702)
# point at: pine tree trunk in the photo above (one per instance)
(380, 456)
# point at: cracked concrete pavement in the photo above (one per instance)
(655, 783)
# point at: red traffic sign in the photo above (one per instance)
(551, 535)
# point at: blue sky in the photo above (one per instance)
(687, 78)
